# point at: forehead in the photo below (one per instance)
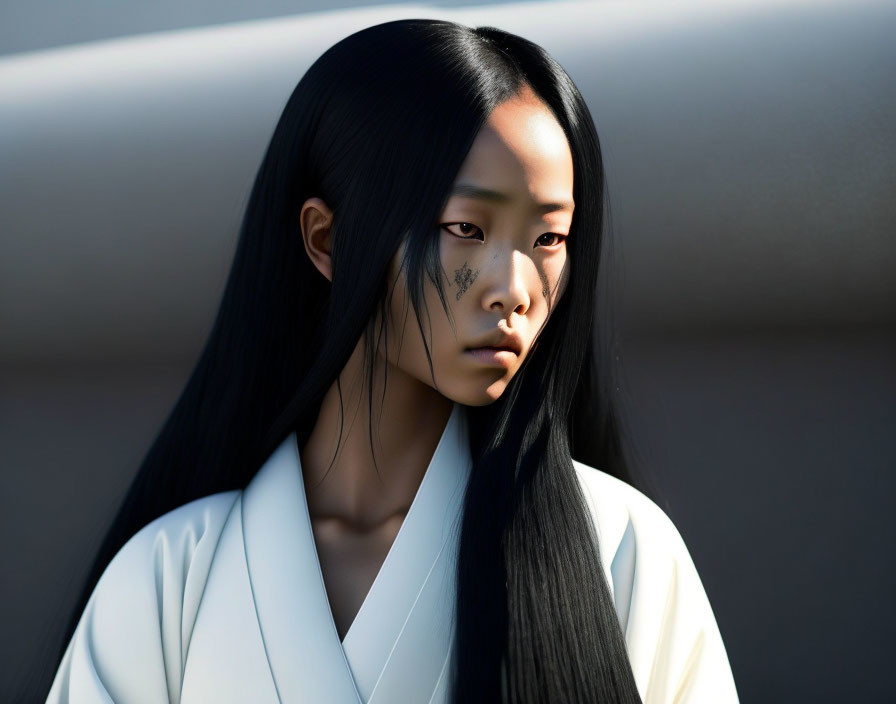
(521, 151)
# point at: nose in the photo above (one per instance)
(507, 291)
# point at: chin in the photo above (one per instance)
(481, 395)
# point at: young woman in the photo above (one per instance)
(353, 503)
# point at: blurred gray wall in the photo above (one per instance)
(750, 152)
(31, 25)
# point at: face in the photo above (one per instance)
(503, 250)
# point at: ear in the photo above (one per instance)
(316, 220)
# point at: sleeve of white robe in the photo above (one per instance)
(672, 638)
(131, 642)
(672, 635)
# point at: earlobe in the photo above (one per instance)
(316, 221)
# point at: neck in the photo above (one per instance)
(405, 430)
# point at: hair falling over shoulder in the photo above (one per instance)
(404, 100)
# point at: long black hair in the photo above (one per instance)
(378, 128)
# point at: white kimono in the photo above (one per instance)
(222, 600)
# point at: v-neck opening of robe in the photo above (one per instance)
(400, 640)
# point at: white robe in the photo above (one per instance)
(222, 600)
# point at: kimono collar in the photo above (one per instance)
(399, 645)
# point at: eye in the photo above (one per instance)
(560, 239)
(465, 227)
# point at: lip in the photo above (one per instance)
(493, 356)
(500, 339)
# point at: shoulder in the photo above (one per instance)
(168, 554)
(673, 641)
(633, 530)
(132, 637)
(182, 530)
(617, 506)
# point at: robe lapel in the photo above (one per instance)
(399, 644)
(300, 639)
(400, 639)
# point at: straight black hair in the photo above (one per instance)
(378, 127)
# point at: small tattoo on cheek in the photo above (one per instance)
(464, 278)
(545, 287)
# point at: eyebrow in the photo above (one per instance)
(471, 191)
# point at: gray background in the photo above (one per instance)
(750, 158)
(31, 25)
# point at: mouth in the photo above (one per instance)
(493, 356)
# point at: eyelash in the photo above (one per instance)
(445, 226)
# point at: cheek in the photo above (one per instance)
(554, 279)
(564, 278)
(406, 344)
(402, 326)
(458, 271)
